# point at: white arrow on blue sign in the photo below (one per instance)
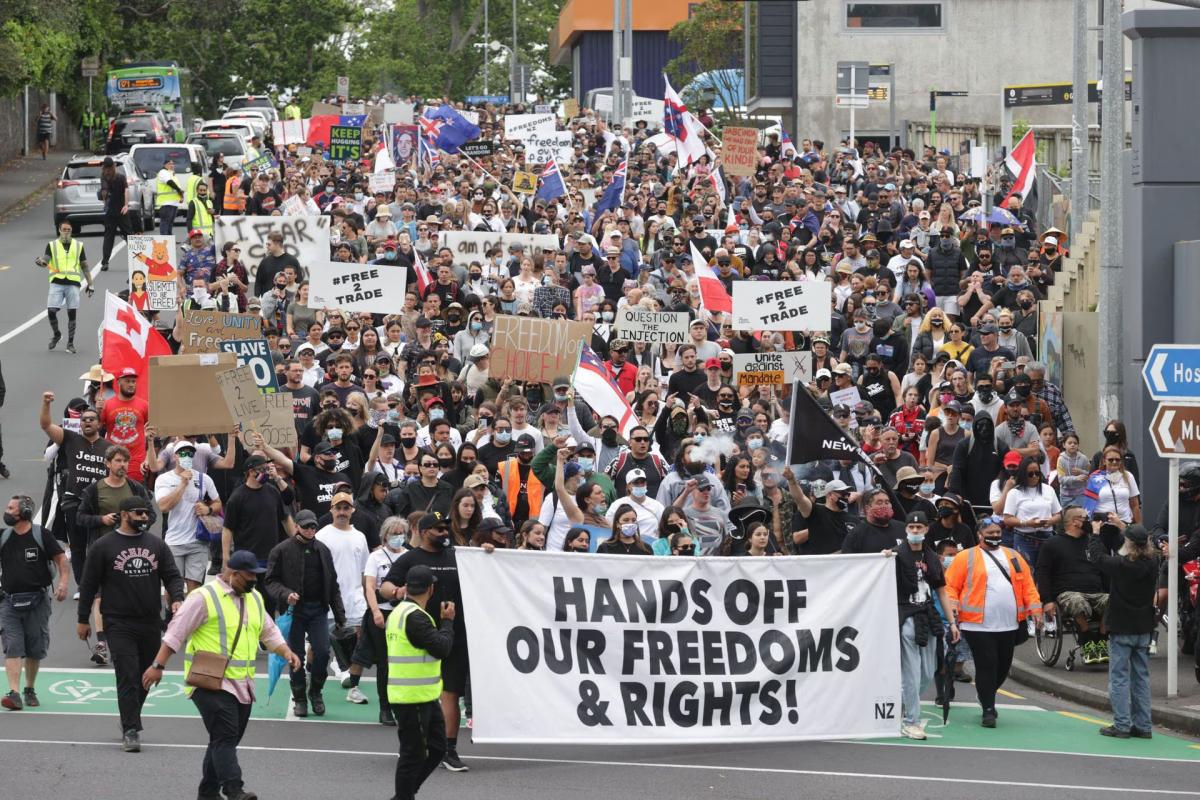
(1172, 372)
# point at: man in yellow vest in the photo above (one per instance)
(415, 649)
(291, 111)
(68, 267)
(168, 194)
(199, 209)
(226, 617)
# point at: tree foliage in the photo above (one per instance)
(710, 41)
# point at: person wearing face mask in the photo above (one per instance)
(648, 510)
(946, 265)
(231, 610)
(470, 336)
(301, 576)
(992, 593)
(919, 578)
(186, 495)
(949, 525)
(879, 530)
(1008, 253)
(520, 484)
(348, 550)
(819, 528)
(129, 570)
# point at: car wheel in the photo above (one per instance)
(139, 223)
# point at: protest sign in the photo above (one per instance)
(468, 246)
(570, 108)
(357, 287)
(469, 115)
(542, 108)
(398, 113)
(381, 182)
(848, 397)
(642, 650)
(781, 305)
(255, 354)
(524, 182)
(293, 206)
(540, 148)
(402, 144)
(522, 126)
(648, 109)
(203, 331)
(320, 109)
(290, 131)
(271, 415)
(636, 324)
(739, 150)
(184, 398)
(305, 237)
(478, 148)
(263, 161)
(772, 368)
(354, 109)
(533, 349)
(153, 273)
(345, 143)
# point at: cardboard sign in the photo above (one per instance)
(184, 398)
(320, 109)
(739, 150)
(398, 113)
(479, 148)
(532, 349)
(570, 108)
(771, 368)
(271, 415)
(255, 354)
(540, 148)
(153, 273)
(781, 305)
(522, 126)
(345, 143)
(402, 145)
(524, 182)
(305, 237)
(382, 182)
(203, 331)
(357, 287)
(636, 324)
(468, 246)
(278, 426)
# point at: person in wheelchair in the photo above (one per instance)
(1074, 585)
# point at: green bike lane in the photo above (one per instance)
(1022, 727)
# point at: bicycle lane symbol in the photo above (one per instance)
(81, 692)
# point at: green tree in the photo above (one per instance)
(711, 41)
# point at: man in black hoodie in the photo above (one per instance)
(129, 568)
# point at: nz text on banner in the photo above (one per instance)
(781, 305)
(739, 150)
(532, 349)
(255, 354)
(468, 246)
(345, 143)
(656, 327)
(641, 650)
(752, 369)
(357, 287)
(522, 126)
(153, 273)
(203, 331)
(307, 238)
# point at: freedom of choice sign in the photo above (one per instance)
(781, 305)
(644, 650)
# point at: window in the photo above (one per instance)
(894, 15)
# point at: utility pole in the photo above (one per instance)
(616, 65)
(1080, 146)
(627, 63)
(516, 76)
(487, 47)
(1112, 142)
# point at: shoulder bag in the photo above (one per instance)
(208, 668)
(1022, 630)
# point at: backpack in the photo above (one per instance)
(36, 531)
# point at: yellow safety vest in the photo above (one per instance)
(203, 218)
(189, 188)
(64, 261)
(165, 195)
(291, 111)
(414, 676)
(218, 631)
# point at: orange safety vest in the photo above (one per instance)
(967, 577)
(232, 201)
(510, 472)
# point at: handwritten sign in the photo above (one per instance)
(398, 113)
(636, 324)
(203, 331)
(153, 273)
(255, 354)
(357, 287)
(772, 368)
(468, 246)
(381, 182)
(781, 305)
(739, 150)
(532, 349)
(540, 148)
(305, 237)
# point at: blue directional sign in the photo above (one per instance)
(480, 99)
(1172, 372)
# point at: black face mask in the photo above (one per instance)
(694, 467)
(9, 519)
(945, 512)
(986, 393)
(609, 437)
(446, 463)
(992, 541)
(1111, 437)
(1022, 389)
(439, 542)
(1026, 304)
(842, 503)
(408, 441)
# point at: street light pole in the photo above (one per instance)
(1080, 147)
(516, 79)
(487, 46)
(1112, 142)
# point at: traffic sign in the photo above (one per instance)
(1176, 430)
(90, 62)
(1172, 372)
(851, 101)
(88, 72)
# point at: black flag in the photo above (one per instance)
(815, 436)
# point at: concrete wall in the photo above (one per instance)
(11, 123)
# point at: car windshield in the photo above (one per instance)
(250, 102)
(225, 145)
(149, 160)
(83, 171)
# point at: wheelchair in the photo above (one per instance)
(1050, 643)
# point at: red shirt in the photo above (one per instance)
(125, 424)
(625, 376)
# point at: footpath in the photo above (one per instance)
(24, 180)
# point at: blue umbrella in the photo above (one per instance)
(1002, 216)
(275, 664)
(974, 214)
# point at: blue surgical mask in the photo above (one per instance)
(436, 413)
(185, 462)
(503, 437)
(927, 488)
(698, 438)
(946, 561)
(607, 316)
(966, 426)
(586, 463)
(333, 434)
(915, 538)
(638, 491)
(393, 415)
(476, 326)
(396, 542)
(600, 508)
(754, 444)
(629, 529)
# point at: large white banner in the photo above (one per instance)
(522, 126)
(377, 288)
(468, 246)
(644, 650)
(307, 238)
(781, 305)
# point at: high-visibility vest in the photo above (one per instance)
(203, 216)
(232, 202)
(189, 188)
(165, 195)
(88, 120)
(511, 475)
(217, 633)
(967, 577)
(413, 675)
(64, 261)
(292, 111)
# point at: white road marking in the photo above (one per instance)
(41, 315)
(654, 765)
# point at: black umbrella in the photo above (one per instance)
(948, 655)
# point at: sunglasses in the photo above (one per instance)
(1034, 474)
(640, 439)
(432, 464)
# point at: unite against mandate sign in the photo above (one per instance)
(644, 650)
(772, 368)
(781, 305)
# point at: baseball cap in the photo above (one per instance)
(712, 363)
(244, 561)
(823, 373)
(525, 442)
(474, 481)
(195, 232)
(127, 372)
(418, 579)
(255, 461)
(478, 351)
(341, 497)
(135, 503)
(916, 518)
(562, 381)
(431, 521)
(1137, 534)
(635, 475)
(842, 369)
(906, 243)
(987, 328)
(836, 485)
(321, 448)
(306, 519)
(1012, 459)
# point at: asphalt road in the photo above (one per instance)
(69, 748)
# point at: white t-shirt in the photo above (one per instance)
(1024, 504)
(1114, 495)
(423, 439)
(205, 455)
(378, 564)
(555, 519)
(649, 512)
(350, 552)
(181, 520)
(1000, 602)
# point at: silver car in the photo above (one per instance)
(77, 193)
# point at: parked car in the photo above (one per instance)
(242, 127)
(77, 193)
(256, 122)
(150, 157)
(228, 143)
(254, 101)
(137, 126)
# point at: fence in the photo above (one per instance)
(1053, 143)
(14, 122)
